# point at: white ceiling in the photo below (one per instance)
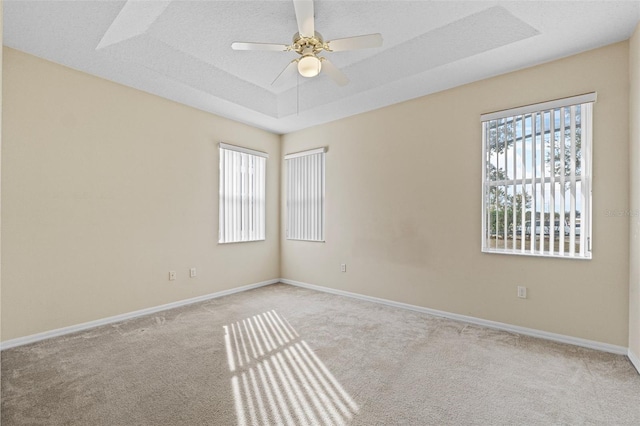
(181, 50)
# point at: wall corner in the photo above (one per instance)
(634, 198)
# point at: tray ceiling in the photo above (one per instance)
(181, 50)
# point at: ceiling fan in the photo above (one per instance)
(309, 44)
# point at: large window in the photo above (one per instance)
(537, 179)
(242, 194)
(305, 195)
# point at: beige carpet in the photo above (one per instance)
(286, 355)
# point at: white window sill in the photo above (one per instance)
(587, 256)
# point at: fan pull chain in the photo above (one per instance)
(298, 94)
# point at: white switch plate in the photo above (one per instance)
(522, 292)
(192, 272)
(172, 275)
(343, 267)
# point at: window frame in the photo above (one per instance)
(314, 216)
(537, 136)
(249, 223)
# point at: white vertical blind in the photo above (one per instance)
(586, 176)
(534, 222)
(305, 195)
(537, 179)
(523, 175)
(552, 188)
(242, 194)
(561, 154)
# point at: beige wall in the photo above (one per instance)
(1, 39)
(634, 156)
(104, 190)
(403, 206)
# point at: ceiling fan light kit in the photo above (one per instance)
(309, 66)
(308, 44)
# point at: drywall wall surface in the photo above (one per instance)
(1, 33)
(634, 204)
(105, 189)
(403, 206)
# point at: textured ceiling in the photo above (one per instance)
(181, 49)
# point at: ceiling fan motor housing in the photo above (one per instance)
(309, 45)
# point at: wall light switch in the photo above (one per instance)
(192, 272)
(343, 267)
(172, 275)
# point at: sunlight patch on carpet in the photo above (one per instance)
(276, 378)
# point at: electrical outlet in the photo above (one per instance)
(172, 275)
(522, 292)
(192, 272)
(343, 267)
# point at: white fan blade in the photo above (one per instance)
(290, 70)
(334, 72)
(304, 16)
(240, 45)
(357, 42)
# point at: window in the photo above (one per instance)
(537, 179)
(305, 195)
(242, 194)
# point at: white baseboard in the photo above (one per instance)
(591, 344)
(635, 360)
(117, 318)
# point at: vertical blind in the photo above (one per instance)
(305, 195)
(242, 194)
(537, 179)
